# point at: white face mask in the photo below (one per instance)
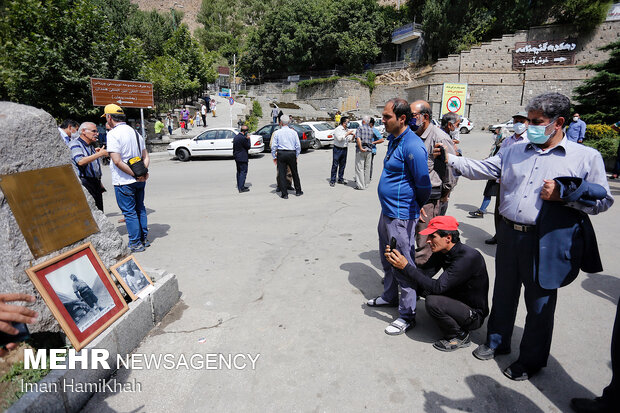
(519, 128)
(575, 118)
(75, 135)
(455, 134)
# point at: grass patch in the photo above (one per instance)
(367, 79)
(13, 377)
(290, 90)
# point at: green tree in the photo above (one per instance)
(49, 51)
(598, 95)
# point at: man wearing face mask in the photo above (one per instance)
(547, 187)
(576, 131)
(443, 179)
(68, 130)
(241, 146)
(450, 123)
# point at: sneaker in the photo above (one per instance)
(332, 184)
(476, 214)
(299, 193)
(399, 326)
(343, 182)
(484, 352)
(137, 248)
(146, 243)
(491, 241)
(518, 372)
(452, 344)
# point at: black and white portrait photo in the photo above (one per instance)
(131, 276)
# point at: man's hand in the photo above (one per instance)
(14, 313)
(550, 191)
(101, 152)
(423, 215)
(437, 151)
(275, 161)
(395, 258)
(142, 178)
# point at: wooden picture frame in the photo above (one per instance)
(80, 293)
(136, 285)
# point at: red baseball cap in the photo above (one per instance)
(446, 223)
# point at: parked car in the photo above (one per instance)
(466, 125)
(306, 136)
(212, 142)
(323, 132)
(508, 125)
(380, 126)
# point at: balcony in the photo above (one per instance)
(406, 33)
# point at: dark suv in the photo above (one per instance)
(306, 137)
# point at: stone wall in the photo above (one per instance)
(495, 91)
(343, 95)
(29, 140)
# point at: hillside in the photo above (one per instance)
(190, 8)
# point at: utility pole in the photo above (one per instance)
(235, 73)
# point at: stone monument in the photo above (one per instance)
(29, 140)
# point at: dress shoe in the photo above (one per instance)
(290, 188)
(491, 241)
(284, 196)
(242, 190)
(299, 193)
(484, 352)
(343, 182)
(518, 372)
(596, 405)
(332, 184)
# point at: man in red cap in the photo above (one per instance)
(458, 299)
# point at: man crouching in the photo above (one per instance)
(458, 299)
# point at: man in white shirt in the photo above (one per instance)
(68, 130)
(341, 138)
(125, 143)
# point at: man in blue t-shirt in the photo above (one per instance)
(576, 131)
(403, 188)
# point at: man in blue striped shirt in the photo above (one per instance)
(85, 159)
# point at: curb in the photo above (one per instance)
(121, 338)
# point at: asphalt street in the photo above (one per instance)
(288, 279)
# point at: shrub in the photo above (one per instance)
(608, 147)
(312, 82)
(257, 110)
(252, 123)
(290, 90)
(599, 131)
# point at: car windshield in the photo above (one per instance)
(323, 126)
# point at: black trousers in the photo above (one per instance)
(287, 158)
(338, 163)
(95, 189)
(611, 394)
(452, 316)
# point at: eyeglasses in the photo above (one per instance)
(92, 130)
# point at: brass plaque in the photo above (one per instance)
(50, 208)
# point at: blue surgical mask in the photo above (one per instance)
(413, 124)
(519, 128)
(537, 133)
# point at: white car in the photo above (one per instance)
(508, 125)
(212, 142)
(323, 132)
(466, 126)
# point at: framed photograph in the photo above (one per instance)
(132, 277)
(80, 293)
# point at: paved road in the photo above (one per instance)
(288, 279)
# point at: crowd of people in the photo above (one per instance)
(544, 181)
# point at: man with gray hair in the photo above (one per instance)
(285, 149)
(85, 158)
(547, 187)
(363, 153)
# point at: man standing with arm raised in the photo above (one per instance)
(403, 188)
(547, 187)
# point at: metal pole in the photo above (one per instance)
(235, 73)
(142, 122)
(231, 123)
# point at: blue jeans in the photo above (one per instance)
(130, 199)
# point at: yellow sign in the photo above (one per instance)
(454, 98)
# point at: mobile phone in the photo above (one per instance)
(392, 244)
(23, 335)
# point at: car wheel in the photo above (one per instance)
(464, 130)
(183, 155)
(316, 144)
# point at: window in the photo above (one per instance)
(207, 135)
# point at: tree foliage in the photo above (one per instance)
(302, 35)
(51, 48)
(598, 95)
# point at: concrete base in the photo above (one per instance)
(121, 338)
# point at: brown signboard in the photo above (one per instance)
(541, 53)
(50, 208)
(125, 93)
